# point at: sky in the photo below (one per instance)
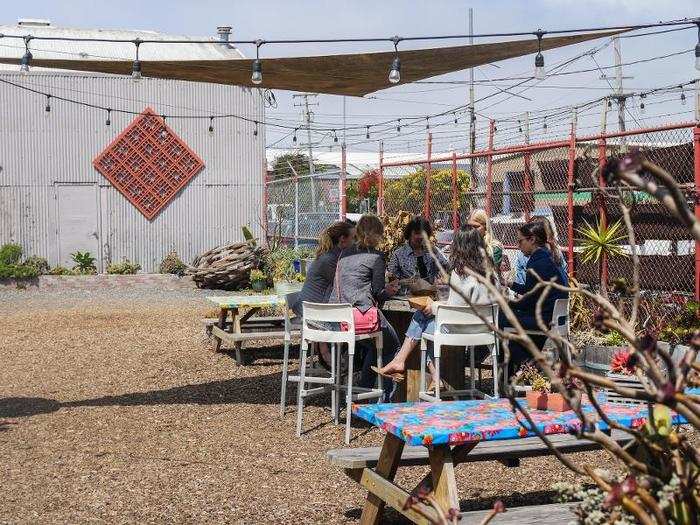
(363, 18)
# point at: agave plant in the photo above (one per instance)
(599, 243)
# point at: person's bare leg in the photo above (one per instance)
(325, 352)
(398, 364)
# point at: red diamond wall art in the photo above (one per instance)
(148, 163)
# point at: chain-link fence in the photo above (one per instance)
(299, 208)
(560, 180)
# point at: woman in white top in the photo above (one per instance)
(468, 250)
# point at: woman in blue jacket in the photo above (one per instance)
(532, 241)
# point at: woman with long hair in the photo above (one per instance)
(532, 241)
(320, 275)
(361, 282)
(479, 219)
(553, 247)
(468, 253)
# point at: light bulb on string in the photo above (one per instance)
(335, 137)
(398, 126)
(136, 66)
(294, 138)
(642, 108)
(455, 116)
(609, 103)
(427, 123)
(164, 131)
(682, 96)
(256, 78)
(26, 58)
(108, 122)
(395, 71)
(540, 73)
(520, 127)
(697, 49)
(47, 109)
(255, 130)
(367, 135)
(211, 126)
(544, 125)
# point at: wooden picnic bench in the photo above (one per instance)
(451, 431)
(245, 326)
(550, 514)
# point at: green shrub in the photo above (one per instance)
(279, 262)
(125, 267)
(615, 338)
(61, 270)
(10, 254)
(172, 264)
(84, 263)
(18, 271)
(41, 264)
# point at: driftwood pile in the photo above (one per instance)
(227, 267)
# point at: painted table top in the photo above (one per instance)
(238, 301)
(456, 422)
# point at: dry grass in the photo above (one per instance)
(121, 413)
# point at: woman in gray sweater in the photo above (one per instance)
(361, 282)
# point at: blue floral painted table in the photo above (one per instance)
(452, 429)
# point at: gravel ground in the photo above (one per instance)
(114, 408)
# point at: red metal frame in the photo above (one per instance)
(148, 163)
(455, 194)
(489, 167)
(428, 176)
(696, 148)
(570, 199)
(602, 211)
(380, 197)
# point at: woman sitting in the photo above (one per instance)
(468, 250)
(480, 220)
(319, 277)
(360, 281)
(532, 241)
(553, 246)
(412, 259)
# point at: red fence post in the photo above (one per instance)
(570, 195)
(696, 154)
(455, 194)
(489, 168)
(380, 197)
(428, 176)
(343, 184)
(601, 207)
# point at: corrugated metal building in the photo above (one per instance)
(54, 202)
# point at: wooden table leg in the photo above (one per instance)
(236, 329)
(444, 484)
(223, 314)
(387, 465)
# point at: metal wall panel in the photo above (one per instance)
(38, 151)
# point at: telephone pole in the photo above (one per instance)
(308, 119)
(472, 118)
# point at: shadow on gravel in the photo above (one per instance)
(11, 407)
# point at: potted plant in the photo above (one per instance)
(541, 397)
(258, 280)
(598, 244)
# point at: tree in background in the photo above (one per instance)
(408, 192)
(300, 163)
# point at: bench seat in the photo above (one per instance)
(551, 514)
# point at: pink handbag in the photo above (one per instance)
(365, 322)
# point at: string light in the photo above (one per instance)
(163, 132)
(540, 73)
(211, 126)
(136, 66)
(26, 58)
(256, 77)
(609, 103)
(455, 116)
(108, 122)
(395, 71)
(398, 126)
(47, 111)
(367, 135)
(642, 109)
(544, 124)
(335, 137)
(255, 130)
(427, 122)
(294, 138)
(682, 96)
(520, 127)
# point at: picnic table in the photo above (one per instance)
(399, 312)
(244, 326)
(450, 430)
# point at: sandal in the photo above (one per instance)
(397, 377)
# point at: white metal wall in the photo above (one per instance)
(40, 152)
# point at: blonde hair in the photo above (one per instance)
(330, 237)
(369, 231)
(479, 216)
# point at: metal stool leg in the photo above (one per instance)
(300, 390)
(348, 395)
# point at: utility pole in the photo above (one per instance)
(618, 84)
(472, 118)
(308, 118)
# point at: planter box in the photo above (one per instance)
(625, 381)
(545, 401)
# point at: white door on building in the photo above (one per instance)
(78, 221)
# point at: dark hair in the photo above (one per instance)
(535, 229)
(417, 224)
(350, 222)
(552, 243)
(468, 251)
